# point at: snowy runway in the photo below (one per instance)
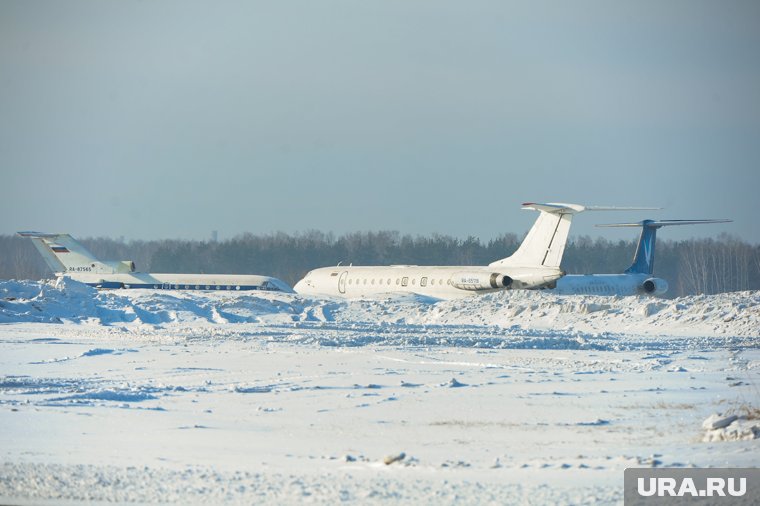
(516, 398)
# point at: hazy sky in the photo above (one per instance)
(172, 119)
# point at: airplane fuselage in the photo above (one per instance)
(227, 282)
(443, 282)
(610, 284)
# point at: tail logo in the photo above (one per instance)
(648, 252)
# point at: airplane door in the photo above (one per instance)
(342, 282)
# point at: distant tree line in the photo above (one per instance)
(691, 267)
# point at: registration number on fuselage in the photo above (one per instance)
(80, 269)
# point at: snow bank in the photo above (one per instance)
(197, 485)
(731, 427)
(537, 319)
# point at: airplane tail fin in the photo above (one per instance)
(545, 243)
(643, 259)
(65, 255)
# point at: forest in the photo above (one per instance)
(695, 266)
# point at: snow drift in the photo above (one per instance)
(485, 319)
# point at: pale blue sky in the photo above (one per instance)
(172, 119)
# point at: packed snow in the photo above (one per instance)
(511, 398)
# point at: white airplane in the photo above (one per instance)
(535, 264)
(68, 258)
(638, 278)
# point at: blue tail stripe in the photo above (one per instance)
(643, 260)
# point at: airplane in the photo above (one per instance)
(535, 264)
(636, 279)
(68, 258)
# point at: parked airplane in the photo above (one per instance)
(66, 257)
(535, 264)
(638, 278)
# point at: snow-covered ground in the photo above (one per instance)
(509, 398)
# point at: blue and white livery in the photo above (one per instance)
(68, 258)
(636, 279)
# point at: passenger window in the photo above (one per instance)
(414, 281)
(404, 281)
(365, 281)
(389, 281)
(398, 281)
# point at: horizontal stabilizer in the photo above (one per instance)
(561, 208)
(554, 208)
(36, 234)
(621, 208)
(663, 223)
